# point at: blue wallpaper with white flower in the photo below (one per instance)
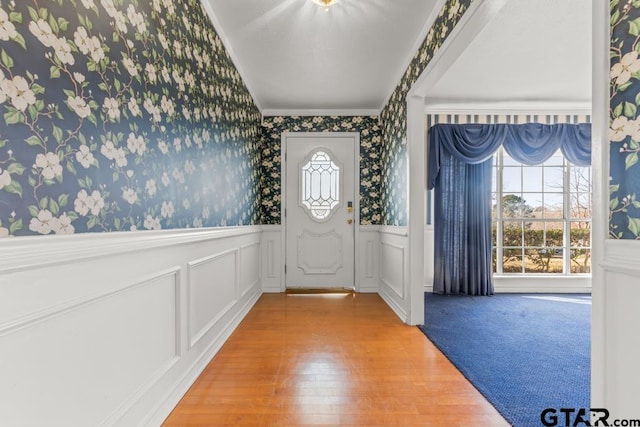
(369, 129)
(120, 115)
(394, 117)
(624, 132)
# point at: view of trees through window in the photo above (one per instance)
(541, 216)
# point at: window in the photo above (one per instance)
(320, 183)
(541, 216)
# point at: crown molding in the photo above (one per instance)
(320, 112)
(227, 45)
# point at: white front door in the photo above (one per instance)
(320, 210)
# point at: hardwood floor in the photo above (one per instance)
(330, 359)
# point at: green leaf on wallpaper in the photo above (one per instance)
(54, 207)
(103, 87)
(20, 40)
(634, 225)
(92, 119)
(54, 72)
(116, 176)
(63, 24)
(33, 13)
(617, 111)
(33, 211)
(88, 181)
(63, 199)
(44, 13)
(54, 24)
(13, 116)
(613, 204)
(72, 215)
(117, 223)
(630, 109)
(116, 84)
(44, 202)
(32, 181)
(633, 144)
(630, 160)
(33, 112)
(16, 226)
(16, 169)
(624, 87)
(634, 27)
(614, 188)
(614, 17)
(15, 17)
(57, 134)
(32, 140)
(91, 222)
(14, 187)
(7, 61)
(71, 168)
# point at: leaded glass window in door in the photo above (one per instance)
(320, 184)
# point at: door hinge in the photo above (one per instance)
(285, 269)
(285, 156)
(285, 212)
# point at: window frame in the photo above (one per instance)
(497, 193)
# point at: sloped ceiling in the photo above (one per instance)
(294, 55)
(297, 57)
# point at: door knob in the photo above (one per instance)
(349, 221)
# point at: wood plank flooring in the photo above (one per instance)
(330, 359)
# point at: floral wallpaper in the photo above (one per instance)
(121, 115)
(369, 160)
(624, 132)
(394, 117)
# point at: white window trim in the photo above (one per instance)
(566, 220)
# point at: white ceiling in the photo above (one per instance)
(295, 57)
(532, 55)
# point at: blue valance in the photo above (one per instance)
(530, 143)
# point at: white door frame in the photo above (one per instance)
(476, 17)
(355, 136)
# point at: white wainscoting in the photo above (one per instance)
(616, 317)
(394, 266)
(428, 258)
(368, 261)
(272, 259)
(112, 329)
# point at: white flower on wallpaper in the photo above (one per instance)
(130, 195)
(622, 71)
(5, 178)
(49, 165)
(79, 106)
(17, 91)
(112, 106)
(7, 29)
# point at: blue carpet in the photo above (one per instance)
(523, 352)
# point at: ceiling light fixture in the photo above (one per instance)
(325, 3)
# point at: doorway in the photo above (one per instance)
(321, 212)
